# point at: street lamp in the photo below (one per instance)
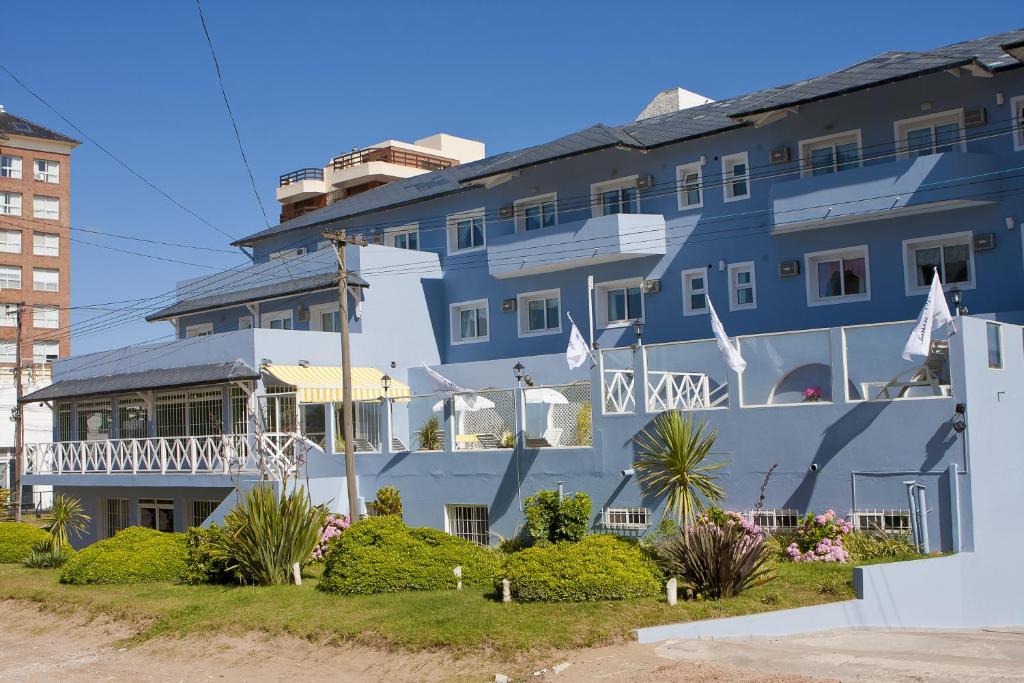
(638, 330)
(518, 370)
(958, 308)
(385, 384)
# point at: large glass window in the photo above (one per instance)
(536, 213)
(837, 277)
(156, 514)
(45, 244)
(10, 241)
(466, 231)
(621, 200)
(93, 420)
(469, 321)
(47, 171)
(45, 316)
(10, 277)
(539, 313)
(622, 303)
(10, 167)
(45, 279)
(742, 286)
(10, 203)
(45, 207)
(688, 179)
(831, 154)
(406, 237)
(933, 134)
(45, 351)
(736, 176)
(695, 290)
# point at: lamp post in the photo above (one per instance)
(385, 385)
(638, 330)
(958, 307)
(518, 371)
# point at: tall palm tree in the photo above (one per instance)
(68, 519)
(670, 460)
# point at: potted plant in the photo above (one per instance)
(812, 394)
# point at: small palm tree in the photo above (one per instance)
(670, 462)
(68, 519)
(429, 436)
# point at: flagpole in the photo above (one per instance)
(590, 310)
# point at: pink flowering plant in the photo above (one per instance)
(813, 394)
(728, 520)
(332, 528)
(820, 539)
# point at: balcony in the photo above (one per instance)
(937, 182)
(384, 164)
(604, 239)
(301, 184)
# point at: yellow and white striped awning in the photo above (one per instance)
(322, 383)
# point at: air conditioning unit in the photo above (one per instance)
(780, 155)
(377, 238)
(985, 241)
(645, 182)
(40, 176)
(975, 117)
(789, 268)
(652, 286)
(506, 211)
(508, 306)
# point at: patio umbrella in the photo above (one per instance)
(466, 403)
(545, 395)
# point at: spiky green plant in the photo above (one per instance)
(47, 555)
(68, 519)
(389, 502)
(670, 462)
(429, 436)
(715, 562)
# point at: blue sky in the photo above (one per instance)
(311, 80)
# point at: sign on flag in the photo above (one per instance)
(935, 314)
(729, 352)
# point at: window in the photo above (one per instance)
(534, 213)
(45, 280)
(10, 241)
(953, 255)
(736, 177)
(156, 514)
(278, 320)
(539, 313)
(117, 515)
(889, 521)
(614, 196)
(627, 518)
(1017, 114)
(994, 335)
(45, 316)
(404, 237)
(47, 171)
(245, 322)
(324, 318)
(469, 322)
(200, 330)
(695, 291)
(10, 167)
(45, 244)
(466, 231)
(7, 352)
(45, 207)
(620, 303)
(8, 315)
(468, 522)
(772, 521)
(10, 203)
(835, 277)
(93, 420)
(286, 254)
(688, 181)
(10, 277)
(45, 351)
(742, 286)
(830, 154)
(202, 509)
(932, 134)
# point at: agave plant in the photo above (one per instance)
(68, 519)
(715, 562)
(429, 436)
(670, 462)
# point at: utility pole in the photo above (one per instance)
(16, 413)
(340, 240)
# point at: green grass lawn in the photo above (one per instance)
(465, 622)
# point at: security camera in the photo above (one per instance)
(626, 473)
(814, 467)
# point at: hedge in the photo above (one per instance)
(599, 567)
(133, 555)
(17, 539)
(383, 555)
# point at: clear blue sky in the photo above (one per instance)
(310, 80)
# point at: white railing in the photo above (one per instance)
(618, 392)
(271, 453)
(677, 391)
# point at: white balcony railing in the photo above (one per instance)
(677, 391)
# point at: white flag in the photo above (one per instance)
(441, 384)
(934, 315)
(577, 352)
(729, 352)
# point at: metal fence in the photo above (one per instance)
(484, 419)
(558, 416)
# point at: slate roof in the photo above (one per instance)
(15, 125)
(144, 380)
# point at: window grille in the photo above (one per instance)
(773, 521)
(279, 415)
(132, 418)
(889, 521)
(117, 515)
(627, 518)
(93, 420)
(239, 411)
(206, 411)
(469, 522)
(202, 509)
(64, 421)
(170, 415)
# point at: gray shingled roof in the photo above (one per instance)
(15, 125)
(145, 380)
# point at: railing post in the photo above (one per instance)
(640, 381)
(163, 456)
(193, 452)
(84, 455)
(385, 426)
(135, 457)
(110, 456)
(449, 424)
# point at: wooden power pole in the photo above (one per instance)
(340, 240)
(17, 414)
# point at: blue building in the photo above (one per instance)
(812, 214)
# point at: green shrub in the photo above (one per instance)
(17, 540)
(597, 568)
(134, 555)
(47, 555)
(549, 520)
(715, 561)
(383, 555)
(876, 544)
(206, 561)
(430, 436)
(389, 502)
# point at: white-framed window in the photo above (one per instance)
(838, 276)
(47, 171)
(403, 237)
(742, 286)
(775, 520)
(830, 153)
(994, 338)
(736, 177)
(285, 254)
(615, 196)
(45, 207)
(117, 515)
(626, 518)
(10, 167)
(10, 241)
(467, 231)
(8, 349)
(8, 315)
(1017, 116)
(325, 318)
(470, 322)
(534, 213)
(952, 254)
(621, 302)
(889, 521)
(45, 244)
(10, 203)
(45, 351)
(278, 320)
(202, 509)
(46, 316)
(245, 322)
(539, 313)
(695, 291)
(46, 279)
(930, 134)
(469, 522)
(10, 277)
(689, 181)
(156, 513)
(198, 330)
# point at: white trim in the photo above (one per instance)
(520, 205)
(317, 310)
(523, 313)
(1016, 115)
(744, 266)
(642, 513)
(455, 330)
(453, 236)
(681, 172)
(687, 291)
(408, 228)
(727, 176)
(596, 189)
(811, 275)
(601, 288)
(805, 147)
(911, 287)
(286, 314)
(900, 140)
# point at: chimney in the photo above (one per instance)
(673, 99)
(2, 110)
